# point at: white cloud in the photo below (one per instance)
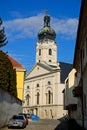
(29, 27)
(65, 27)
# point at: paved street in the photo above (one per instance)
(40, 125)
(51, 124)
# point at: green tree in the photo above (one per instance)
(3, 39)
(7, 75)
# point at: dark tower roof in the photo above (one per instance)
(46, 32)
(65, 69)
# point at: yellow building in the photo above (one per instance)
(20, 73)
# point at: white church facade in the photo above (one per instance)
(44, 84)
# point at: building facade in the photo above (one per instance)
(79, 87)
(70, 102)
(80, 64)
(45, 82)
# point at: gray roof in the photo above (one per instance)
(47, 66)
(65, 69)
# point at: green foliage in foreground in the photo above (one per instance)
(7, 75)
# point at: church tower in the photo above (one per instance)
(46, 49)
(44, 83)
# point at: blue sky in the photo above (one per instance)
(23, 19)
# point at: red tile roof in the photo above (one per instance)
(15, 63)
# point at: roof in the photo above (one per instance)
(15, 63)
(65, 69)
(46, 32)
(47, 66)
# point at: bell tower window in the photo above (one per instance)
(39, 52)
(50, 51)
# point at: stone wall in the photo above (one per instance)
(9, 106)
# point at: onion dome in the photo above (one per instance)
(46, 32)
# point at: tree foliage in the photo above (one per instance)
(3, 39)
(7, 75)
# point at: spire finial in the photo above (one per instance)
(47, 20)
(47, 12)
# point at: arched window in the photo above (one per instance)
(49, 97)
(27, 99)
(49, 82)
(38, 97)
(50, 51)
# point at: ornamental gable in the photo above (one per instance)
(38, 70)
